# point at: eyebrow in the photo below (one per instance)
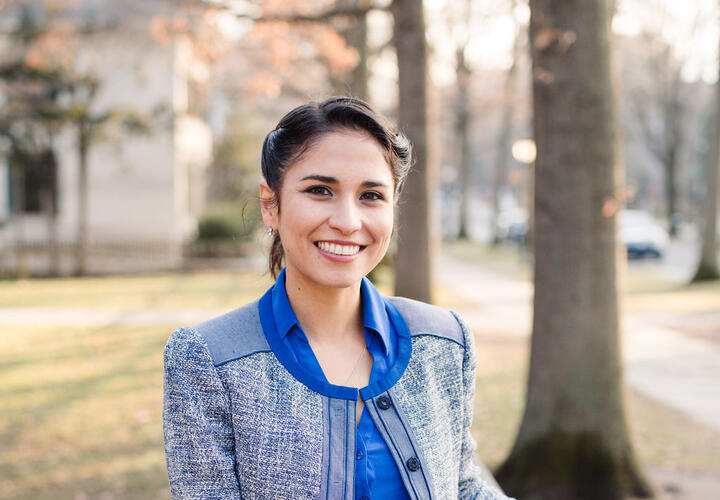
(333, 180)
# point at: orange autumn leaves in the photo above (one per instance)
(270, 53)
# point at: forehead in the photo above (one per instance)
(345, 155)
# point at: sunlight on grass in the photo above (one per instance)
(82, 413)
(676, 299)
(642, 288)
(662, 435)
(82, 405)
(197, 290)
(512, 261)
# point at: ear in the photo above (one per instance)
(268, 206)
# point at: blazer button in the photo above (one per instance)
(413, 464)
(384, 402)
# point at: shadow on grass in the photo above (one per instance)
(83, 421)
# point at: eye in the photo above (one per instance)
(372, 196)
(319, 190)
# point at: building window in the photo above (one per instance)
(33, 186)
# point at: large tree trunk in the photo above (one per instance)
(573, 442)
(413, 263)
(708, 265)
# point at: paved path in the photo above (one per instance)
(660, 361)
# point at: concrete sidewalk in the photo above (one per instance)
(659, 360)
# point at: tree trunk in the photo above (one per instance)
(81, 244)
(671, 191)
(413, 261)
(503, 140)
(672, 141)
(48, 202)
(18, 212)
(503, 146)
(355, 35)
(462, 132)
(708, 265)
(573, 442)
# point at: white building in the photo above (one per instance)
(144, 192)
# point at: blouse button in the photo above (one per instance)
(384, 402)
(413, 464)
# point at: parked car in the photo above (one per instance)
(512, 225)
(642, 235)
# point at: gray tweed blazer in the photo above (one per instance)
(238, 424)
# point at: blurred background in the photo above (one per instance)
(130, 138)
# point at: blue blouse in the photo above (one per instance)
(376, 474)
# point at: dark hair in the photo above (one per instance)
(300, 128)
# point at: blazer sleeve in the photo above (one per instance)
(197, 423)
(475, 481)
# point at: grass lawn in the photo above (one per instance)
(82, 405)
(218, 289)
(82, 413)
(663, 436)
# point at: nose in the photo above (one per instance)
(345, 217)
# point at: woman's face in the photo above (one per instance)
(336, 210)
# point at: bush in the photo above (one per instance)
(225, 229)
(228, 221)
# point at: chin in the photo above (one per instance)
(339, 280)
(334, 276)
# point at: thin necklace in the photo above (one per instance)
(357, 363)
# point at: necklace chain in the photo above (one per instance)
(357, 363)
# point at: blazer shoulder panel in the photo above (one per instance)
(427, 319)
(234, 335)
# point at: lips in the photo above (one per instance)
(344, 249)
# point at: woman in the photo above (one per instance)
(323, 388)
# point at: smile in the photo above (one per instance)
(338, 249)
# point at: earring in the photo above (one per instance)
(270, 231)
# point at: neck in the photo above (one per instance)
(341, 316)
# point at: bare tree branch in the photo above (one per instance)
(321, 17)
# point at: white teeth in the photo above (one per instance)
(339, 249)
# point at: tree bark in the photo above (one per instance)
(503, 142)
(462, 132)
(413, 262)
(356, 37)
(708, 265)
(18, 212)
(673, 111)
(48, 202)
(665, 145)
(81, 243)
(573, 442)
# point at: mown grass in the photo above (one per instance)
(81, 406)
(82, 413)
(642, 288)
(662, 436)
(216, 289)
